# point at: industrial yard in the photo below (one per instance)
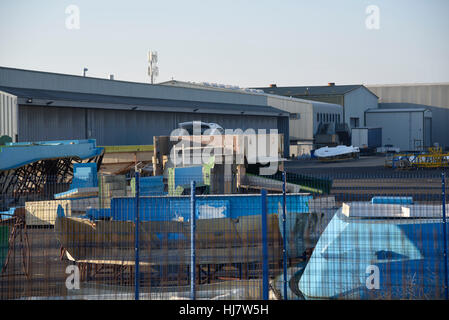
(319, 173)
(232, 191)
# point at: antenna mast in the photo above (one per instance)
(153, 70)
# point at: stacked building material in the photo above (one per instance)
(110, 187)
(41, 213)
(149, 186)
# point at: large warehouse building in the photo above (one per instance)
(355, 99)
(38, 106)
(432, 96)
(305, 115)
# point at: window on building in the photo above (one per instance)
(354, 122)
(338, 118)
(295, 116)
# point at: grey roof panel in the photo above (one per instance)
(311, 90)
(166, 105)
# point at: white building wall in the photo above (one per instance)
(400, 129)
(356, 102)
(302, 128)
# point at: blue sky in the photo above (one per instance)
(245, 43)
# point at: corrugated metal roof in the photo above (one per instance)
(311, 90)
(87, 100)
(397, 110)
(402, 105)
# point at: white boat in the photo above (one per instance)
(337, 153)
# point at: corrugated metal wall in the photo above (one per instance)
(8, 115)
(434, 95)
(400, 129)
(51, 123)
(119, 127)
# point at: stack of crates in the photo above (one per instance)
(111, 187)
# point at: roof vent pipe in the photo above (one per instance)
(111, 77)
(273, 85)
(331, 84)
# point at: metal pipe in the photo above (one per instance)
(264, 245)
(192, 240)
(284, 231)
(136, 240)
(446, 293)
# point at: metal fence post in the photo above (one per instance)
(284, 230)
(264, 245)
(443, 184)
(192, 240)
(136, 240)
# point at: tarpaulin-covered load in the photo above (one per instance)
(337, 153)
(403, 242)
(226, 224)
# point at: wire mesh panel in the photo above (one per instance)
(383, 239)
(331, 235)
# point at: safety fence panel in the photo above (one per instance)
(295, 236)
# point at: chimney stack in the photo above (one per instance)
(111, 77)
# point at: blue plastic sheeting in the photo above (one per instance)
(98, 214)
(84, 175)
(60, 212)
(407, 252)
(152, 186)
(71, 192)
(392, 200)
(7, 214)
(183, 176)
(205, 209)
(231, 206)
(15, 155)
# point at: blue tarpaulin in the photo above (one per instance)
(408, 253)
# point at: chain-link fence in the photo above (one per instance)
(286, 236)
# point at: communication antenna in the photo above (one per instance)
(153, 70)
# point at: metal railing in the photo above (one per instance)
(341, 236)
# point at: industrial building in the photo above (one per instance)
(38, 106)
(355, 99)
(431, 96)
(305, 115)
(407, 129)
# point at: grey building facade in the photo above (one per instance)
(355, 99)
(57, 107)
(407, 129)
(431, 96)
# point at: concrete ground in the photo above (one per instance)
(366, 166)
(361, 179)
